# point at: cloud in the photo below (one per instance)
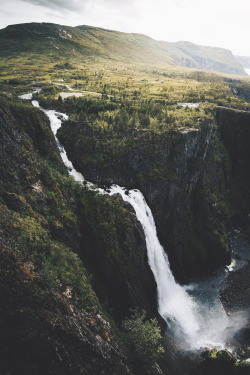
(219, 23)
(81, 5)
(73, 5)
(184, 3)
(17, 11)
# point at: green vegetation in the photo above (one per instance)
(89, 44)
(127, 115)
(58, 231)
(129, 125)
(217, 362)
(49, 264)
(36, 209)
(107, 132)
(143, 338)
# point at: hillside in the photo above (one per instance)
(244, 60)
(50, 42)
(203, 57)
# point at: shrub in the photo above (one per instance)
(142, 337)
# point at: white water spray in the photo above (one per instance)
(173, 301)
(198, 321)
(194, 314)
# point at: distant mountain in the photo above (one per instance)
(203, 57)
(92, 44)
(244, 60)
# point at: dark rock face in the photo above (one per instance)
(178, 176)
(236, 296)
(185, 217)
(191, 180)
(222, 362)
(118, 258)
(56, 337)
(19, 163)
(234, 128)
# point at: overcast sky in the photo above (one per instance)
(222, 23)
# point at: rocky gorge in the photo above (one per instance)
(218, 175)
(197, 182)
(186, 178)
(212, 191)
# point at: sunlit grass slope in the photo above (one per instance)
(51, 42)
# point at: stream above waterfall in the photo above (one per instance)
(194, 313)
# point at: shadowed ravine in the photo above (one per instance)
(194, 313)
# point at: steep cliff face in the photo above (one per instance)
(183, 175)
(115, 252)
(52, 315)
(50, 229)
(189, 224)
(50, 334)
(234, 128)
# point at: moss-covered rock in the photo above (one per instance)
(222, 362)
(51, 320)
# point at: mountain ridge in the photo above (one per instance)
(95, 43)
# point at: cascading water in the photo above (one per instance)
(198, 321)
(194, 313)
(55, 124)
(173, 301)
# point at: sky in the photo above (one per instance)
(219, 23)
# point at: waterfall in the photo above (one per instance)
(195, 321)
(55, 124)
(194, 313)
(173, 301)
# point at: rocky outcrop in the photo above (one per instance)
(117, 255)
(52, 337)
(236, 297)
(237, 293)
(223, 362)
(20, 164)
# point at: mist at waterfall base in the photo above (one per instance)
(194, 313)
